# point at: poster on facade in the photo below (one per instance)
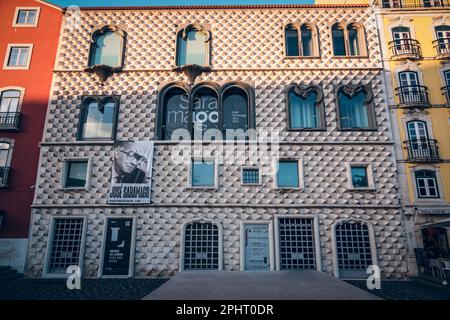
(118, 240)
(131, 172)
(257, 247)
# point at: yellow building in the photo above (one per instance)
(416, 51)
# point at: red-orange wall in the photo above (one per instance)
(17, 198)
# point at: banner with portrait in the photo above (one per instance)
(131, 172)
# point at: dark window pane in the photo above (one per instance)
(306, 42)
(292, 42)
(203, 173)
(250, 176)
(353, 41)
(287, 176)
(76, 174)
(235, 110)
(205, 110)
(359, 177)
(107, 49)
(176, 111)
(338, 42)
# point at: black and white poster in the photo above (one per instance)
(118, 241)
(131, 172)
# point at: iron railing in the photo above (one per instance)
(4, 171)
(408, 48)
(10, 120)
(446, 93)
(422, 150)
(413, 96)
(415, 3)
(442, 46)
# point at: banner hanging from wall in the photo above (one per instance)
(131, 172)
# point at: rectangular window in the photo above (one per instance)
(203, 174)
(250, 176)
(288, 174)
(76, 174)
(26, 17)
(98, 118)
(426, 183)
(66, 244)
(359, 177)
(18, 56)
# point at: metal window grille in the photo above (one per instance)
(250, 176)
(353, 249)
(297, 248)
(66, 244)
(201, 246)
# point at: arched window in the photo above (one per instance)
(353, 40)
(355, 108)
(176, 112)
(228, 109)
(235, 110)
(307, 41)
(98, 118)
(443, 39)
(4, 162)
(201, 246)
(193, 46)
(305, 109)
(338, 40)
(292, 43)
(9, 106)
(354, 251)
(205, 110)
(107, 48)
(301, 40)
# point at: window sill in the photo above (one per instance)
(16, 68)
(369, 189)
(302, 57)
(350, 57)
(307, 129)
(420, 201)
(68, 189)
(24, 26)
(287, 189)
(356, 129)
(251, 184)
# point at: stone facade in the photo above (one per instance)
(246, 45)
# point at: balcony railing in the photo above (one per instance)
(405, 49)
(413, 97)
(4, 171)
(442, 47)
(446, 93)
(422, 150)
(10, 120)
(415, 3)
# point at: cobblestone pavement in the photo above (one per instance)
(91, 289)
(406, 290)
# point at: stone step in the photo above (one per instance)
(7, 273)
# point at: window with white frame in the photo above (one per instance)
(26, 17)
(76, 173)
(18, 56)
(426, 183)
(360, 176)
(203, 173)
(288, 174)
(66, 244)
(5, 150)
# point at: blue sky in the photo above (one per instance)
(90, 3)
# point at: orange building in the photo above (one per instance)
(29, 34)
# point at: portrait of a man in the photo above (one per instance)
(131, 163)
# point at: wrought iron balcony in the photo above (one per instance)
(415, 3)
(446, 93)
(4, 171)
(442, 47)
(413, 97)
(10, 120)
(422, 150)
(405, 49)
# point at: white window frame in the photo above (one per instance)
(22, 95)
(439, 185)
(369, 172)
(64, 172)
(216, 173)
(15, 24)
(301, 180)
(132, 248)
(372, 240)
(220, 235)
(10, 154)
(8, 52)
(45, 273)
(252, 168)
(271, 246)
(315, 219)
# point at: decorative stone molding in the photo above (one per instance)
(353, 90)
(192, 71)
(195, 26)
(103, 71)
